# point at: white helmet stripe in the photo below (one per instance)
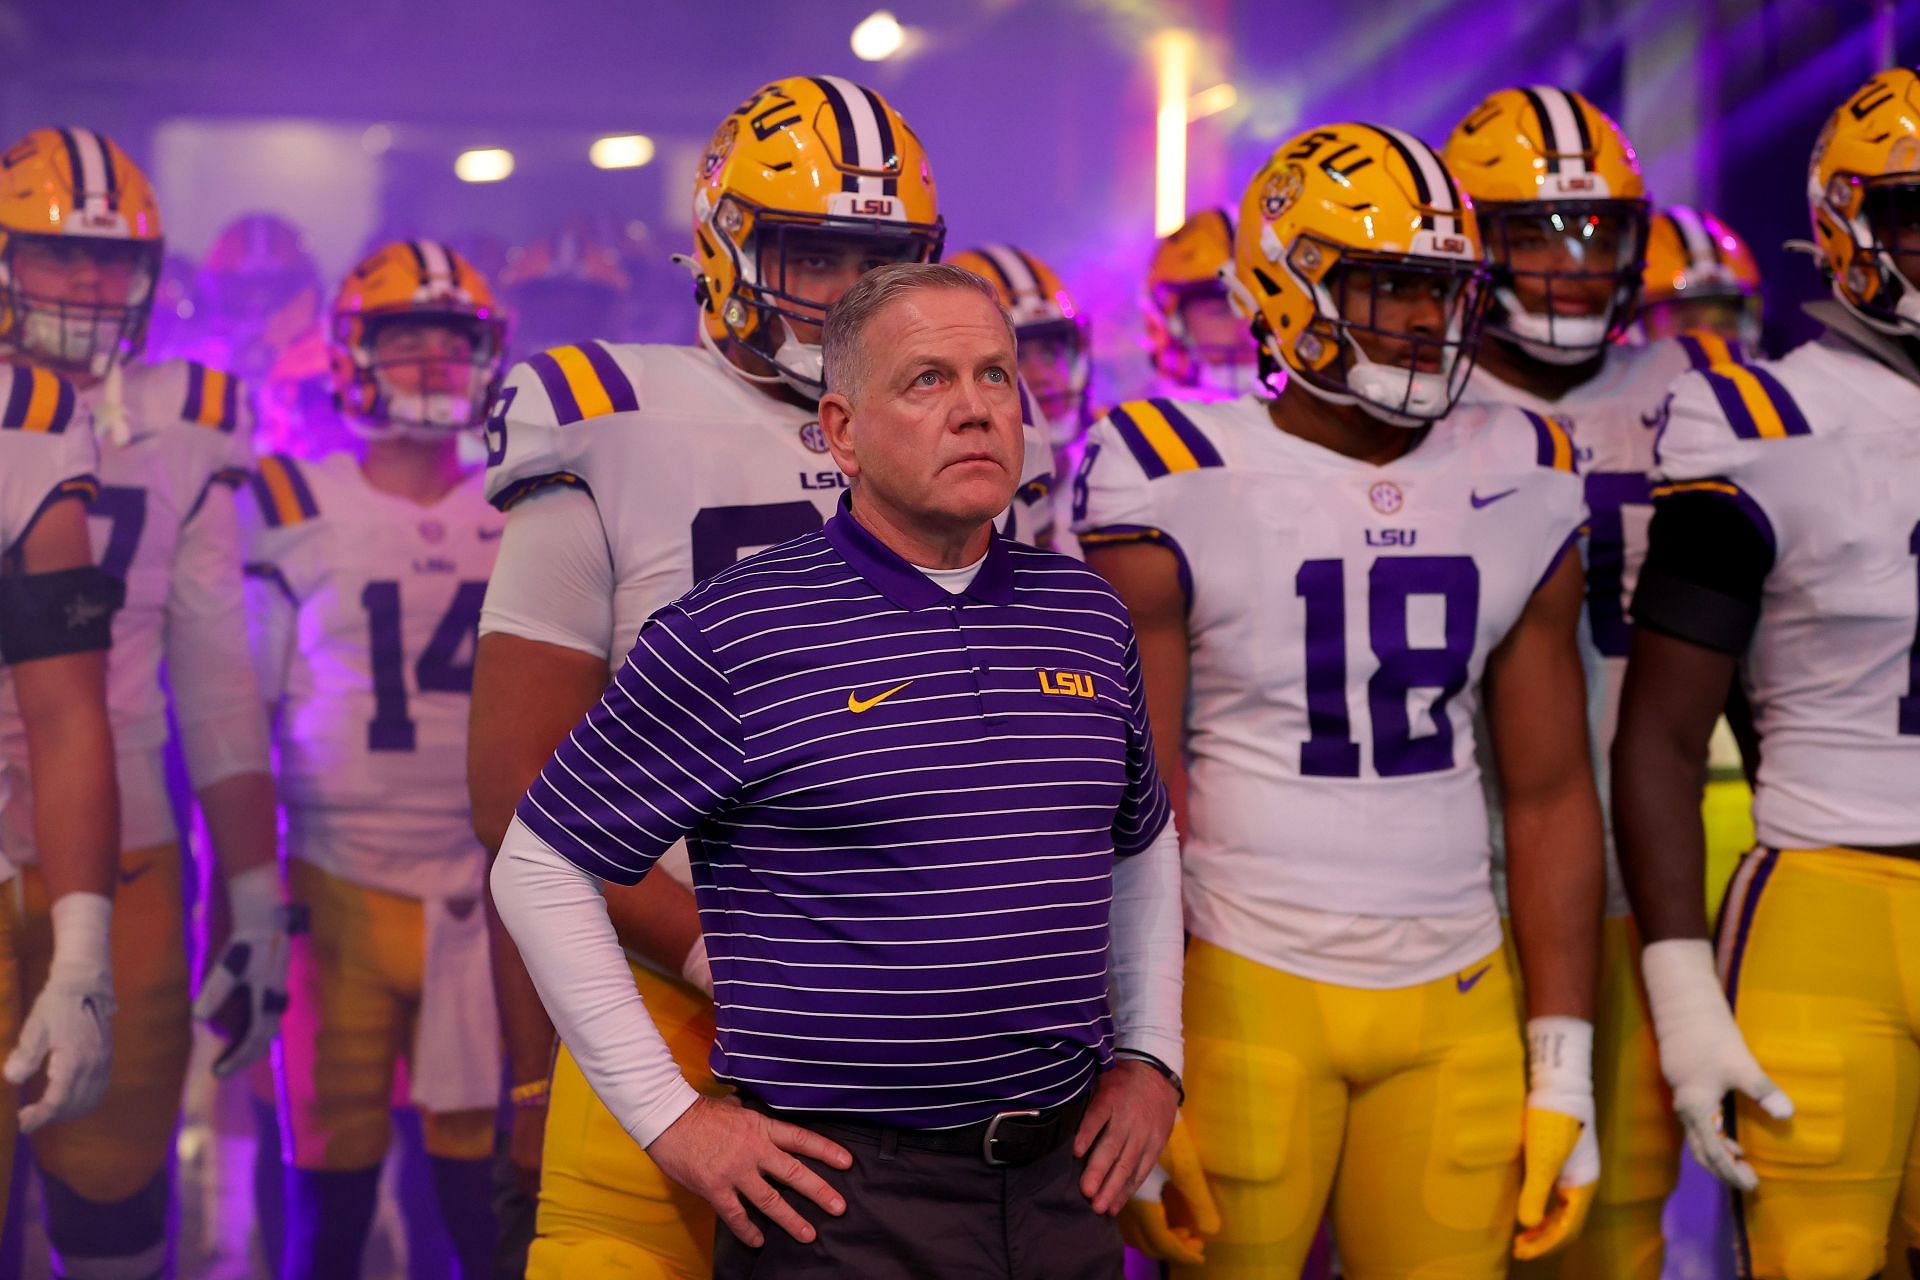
(1012, 265)
(1693, 236)
(865, 150)
(92, 172)
(434, 263)
(1562, 121)
(1432, 175)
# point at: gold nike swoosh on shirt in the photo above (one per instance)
(856, 704)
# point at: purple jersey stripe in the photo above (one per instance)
(1197, 444)
(902, 808)
(1732, 404)
(566, 409)
(19, 396)
(613, 381)
(62, 407)
(196, 390)
(1137, 444)
(1791, 419)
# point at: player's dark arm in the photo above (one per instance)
(63, 703)
(1536, 698)
(1147, 580)
(1694, 611)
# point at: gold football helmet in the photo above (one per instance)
(1055, 355)
(1700, 275)
(80, 252)
(1184, 288)
(1863, 188)
(399, 391)
(1564, 210)
(1345, 229)
(805, 162)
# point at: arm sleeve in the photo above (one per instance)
(658, 755)
(1148, 953)
(223, 731)
(273, 617)
(1144, 809)
(559, 923)
(1709, 552)
(553, 580)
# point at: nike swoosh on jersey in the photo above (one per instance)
(128, 877)
(856, 704)
(1468, 981)
(1479, 502)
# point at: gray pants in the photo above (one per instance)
(925, 1215)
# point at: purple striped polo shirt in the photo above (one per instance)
(903, 808)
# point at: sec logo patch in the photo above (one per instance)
(814, 437)
(1386, 497)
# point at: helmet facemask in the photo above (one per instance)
(1413, 375)
(1564, 313)
(768, 312)
(80, 336)
(1055, 365)
(1886, 231)
(417, 388)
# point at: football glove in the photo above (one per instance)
(1703, 1055)
(69, 1028)
(245, 991)
(1172, 1213)
(1560, 1158)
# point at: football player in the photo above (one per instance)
(1784, 541)
(1700, 276)
(366, 574)
(1200, 347)
(80, 249)
(1327, 586)
(633, 472)
(56, 611)
(1558, 190)
(1056, 352)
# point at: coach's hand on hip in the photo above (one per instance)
(1124, 1132)
(724, 1153)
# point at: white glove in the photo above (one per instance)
(1703, 1055)
(1561, 1155)
(69, 1027)
(250, 974)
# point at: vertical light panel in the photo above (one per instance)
(1173, 60)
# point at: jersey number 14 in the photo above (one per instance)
(439, 669)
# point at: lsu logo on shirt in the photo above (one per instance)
(1069, 684)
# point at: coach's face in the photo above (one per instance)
(933, 431)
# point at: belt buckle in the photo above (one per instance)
(993, 1129)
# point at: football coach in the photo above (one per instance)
(934, 862)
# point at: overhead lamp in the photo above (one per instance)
(621, 151)
(483, 164)
(878, 37)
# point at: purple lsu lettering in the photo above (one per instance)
(1392, 537)
(1071, 684)
(823, 480)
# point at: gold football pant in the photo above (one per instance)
(117, 1148)
(606, 1210)
(1820, 953)
(1403, 1107)
(353, 987)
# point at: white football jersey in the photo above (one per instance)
(1613, 419)
(1822, 450)
(164, 523)
(47, 453)
(1341, 616)
(365, 608)
(691, 466)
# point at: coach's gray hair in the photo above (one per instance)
(842, 345)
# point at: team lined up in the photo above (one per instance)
(1397, 399)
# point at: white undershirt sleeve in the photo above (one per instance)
(553, 580)
(1148, 951)
(223, 731)
(559, 922)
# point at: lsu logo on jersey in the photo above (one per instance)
(1069, 684)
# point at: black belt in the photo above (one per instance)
(1011, 1138)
